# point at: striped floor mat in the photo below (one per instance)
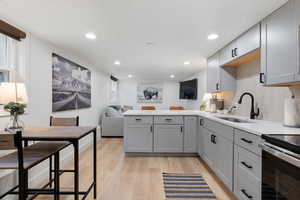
(186, 187)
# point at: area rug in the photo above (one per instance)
(183, 186)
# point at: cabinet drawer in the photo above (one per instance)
(247, 187)
(139, 120)
(248, 141)
(168, 120)
(249, 161)
(220, 129)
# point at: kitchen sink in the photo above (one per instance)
(233, 119)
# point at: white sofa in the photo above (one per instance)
(112, 121)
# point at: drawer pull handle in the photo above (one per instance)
(138, 119)
(151, 129)
(168, 119)
(246, 194)
(201, 122)
(247, 141)
(246, 165)
(181, 129)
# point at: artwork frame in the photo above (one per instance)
(71, 85)
(151, 93)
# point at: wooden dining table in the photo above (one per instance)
(72, 135)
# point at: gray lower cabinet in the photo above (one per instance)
(138, 138)
(190, 134)
(218, 150)
(279, 59)
(224, 165)
(200, 138)
(209, 150)
(168, 138)
(247, 166)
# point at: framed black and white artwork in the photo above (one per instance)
(71, 85)
(150, 93)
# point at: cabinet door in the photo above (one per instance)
(280, 46)
(190, 134)
(168, 138)
(138, 138)
(213, 73)
(227, 54)
(297, 15)
(224, 166)
(249, 41)
(200, 138)
(210, 150)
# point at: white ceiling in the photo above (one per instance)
(178, 29)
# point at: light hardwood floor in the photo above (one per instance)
(136, 178)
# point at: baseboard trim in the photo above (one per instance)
(161, 154)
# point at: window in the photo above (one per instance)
(7, 49)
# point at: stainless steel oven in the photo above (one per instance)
(280, 169)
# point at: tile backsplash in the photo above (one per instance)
(270, 100)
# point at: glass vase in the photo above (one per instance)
(15, 123)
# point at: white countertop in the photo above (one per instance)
(257, 127)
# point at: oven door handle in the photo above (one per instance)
(281, 154)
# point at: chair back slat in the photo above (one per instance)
(176, 108)
(148, 108)
(55, 121)
(7, 141)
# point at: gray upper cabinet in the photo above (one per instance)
(220, 78)
(243, 45)
(190, 134)
(228, 53)
(249, 41)
(213, 71)
(168, 138)
(279, 60)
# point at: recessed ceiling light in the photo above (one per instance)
(172, 76)
(187, 63)
(90, 36)
(117, 62)
(130, 76)
(212, 36)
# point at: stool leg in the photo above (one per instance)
(56, 177)
(22, 185)
(50, 171)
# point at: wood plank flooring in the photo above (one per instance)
(135, 178)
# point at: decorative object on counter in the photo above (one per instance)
(186, 186)
(71, 85)
(206, 101)
(14, 98)
(203, 107)
(292, 112)
(150, 93)
(213, 103)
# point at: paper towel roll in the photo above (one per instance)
(292, 112)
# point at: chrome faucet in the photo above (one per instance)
(253, 114)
